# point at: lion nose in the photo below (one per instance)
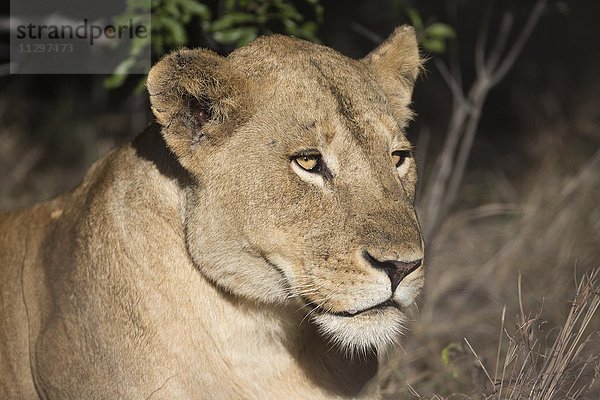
(395, 269)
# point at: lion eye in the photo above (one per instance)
(399, 156)
(308, 162)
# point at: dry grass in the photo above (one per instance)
(541, 365)
(537, 367)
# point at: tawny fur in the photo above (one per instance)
(188, 263)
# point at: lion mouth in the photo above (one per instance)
(351, 313)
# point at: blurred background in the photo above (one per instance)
(507, 138)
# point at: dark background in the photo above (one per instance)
(529, 202)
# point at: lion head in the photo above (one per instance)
(303, 181)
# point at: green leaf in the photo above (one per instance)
(141, 86)
(309, 31)
(118, 77)
(433, 45)
(177, 32)
(158, 44)
(137, 4)
(449, 352)
(232, 19)
(288, 11)
(291, 27)
(440, 31)
(195, 8)
(114, 81)
(319, 12)
(248, 35)
(235, 35)
(415, 18)
(171, 9)
(138, 44)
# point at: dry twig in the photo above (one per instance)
(443, 185)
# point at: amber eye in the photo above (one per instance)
(399, 156)
(309, 163)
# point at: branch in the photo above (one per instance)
(366, 33)
(453, 51)
(446, 178)
(500, 45)
(437, 183)
(463, 156)
(480, 93)
(457, 92)
(524, 35)
(482, 40)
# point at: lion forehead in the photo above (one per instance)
(297, 70)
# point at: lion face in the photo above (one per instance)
(304, 180)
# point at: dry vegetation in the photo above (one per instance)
(513, 289)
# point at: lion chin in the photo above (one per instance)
(373, 330)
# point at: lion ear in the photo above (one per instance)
(396, 64)
(191, 96)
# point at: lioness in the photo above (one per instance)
(245, 247)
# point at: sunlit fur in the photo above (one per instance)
(198, 262)
(373, 332)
